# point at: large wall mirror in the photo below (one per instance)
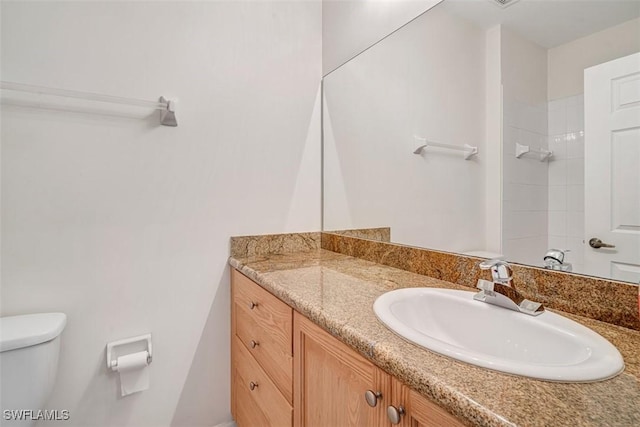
(495, 128)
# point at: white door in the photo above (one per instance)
(612, 168)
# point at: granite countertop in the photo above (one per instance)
(337, 293)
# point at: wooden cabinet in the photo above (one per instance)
(261, 403)
(414, 410)
(286, 370)
(261, 356)
(331, 380)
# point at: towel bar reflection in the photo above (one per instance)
(542, 154)
(469, 151)
(167, 107)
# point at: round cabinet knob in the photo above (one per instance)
(372, 397)
(253, 385)
(596, 243)
(395, 414)
(252, 305)
(254, 344)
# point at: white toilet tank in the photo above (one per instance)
(29, 348)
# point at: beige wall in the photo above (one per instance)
(524, 69)
(351, 26)
(568, 61)
(123, 224)
(493, 129)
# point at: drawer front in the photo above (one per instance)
(263, 405)
(269, 352)
(264, 325)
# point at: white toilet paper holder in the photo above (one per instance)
(112, 362)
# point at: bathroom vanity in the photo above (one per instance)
(307, 349)
(333, 384)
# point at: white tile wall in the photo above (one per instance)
(543, 202)
(575, 256)
(557, 117)
(575, 224)
(518, 225)
(558, 145)
(575, 198)
(558, 198)
(557, 241)
(525, 180)
(526, 250)
(575, 113)
(575, 145)
(575, 171)
(566, 178)
(557, 171)
(558, 223)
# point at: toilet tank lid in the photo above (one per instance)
(30, 329)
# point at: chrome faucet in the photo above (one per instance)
(501, 292)
(500, 271)
(554, 260)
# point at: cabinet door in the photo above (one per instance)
(420, 411)
(330, 381)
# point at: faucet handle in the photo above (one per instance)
(500, 270)
(555, 256)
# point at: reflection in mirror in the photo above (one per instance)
(549, 95)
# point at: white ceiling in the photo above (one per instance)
(548, 23)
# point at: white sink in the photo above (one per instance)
(547, 347)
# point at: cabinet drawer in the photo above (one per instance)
(264, 325)
(262, 406)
